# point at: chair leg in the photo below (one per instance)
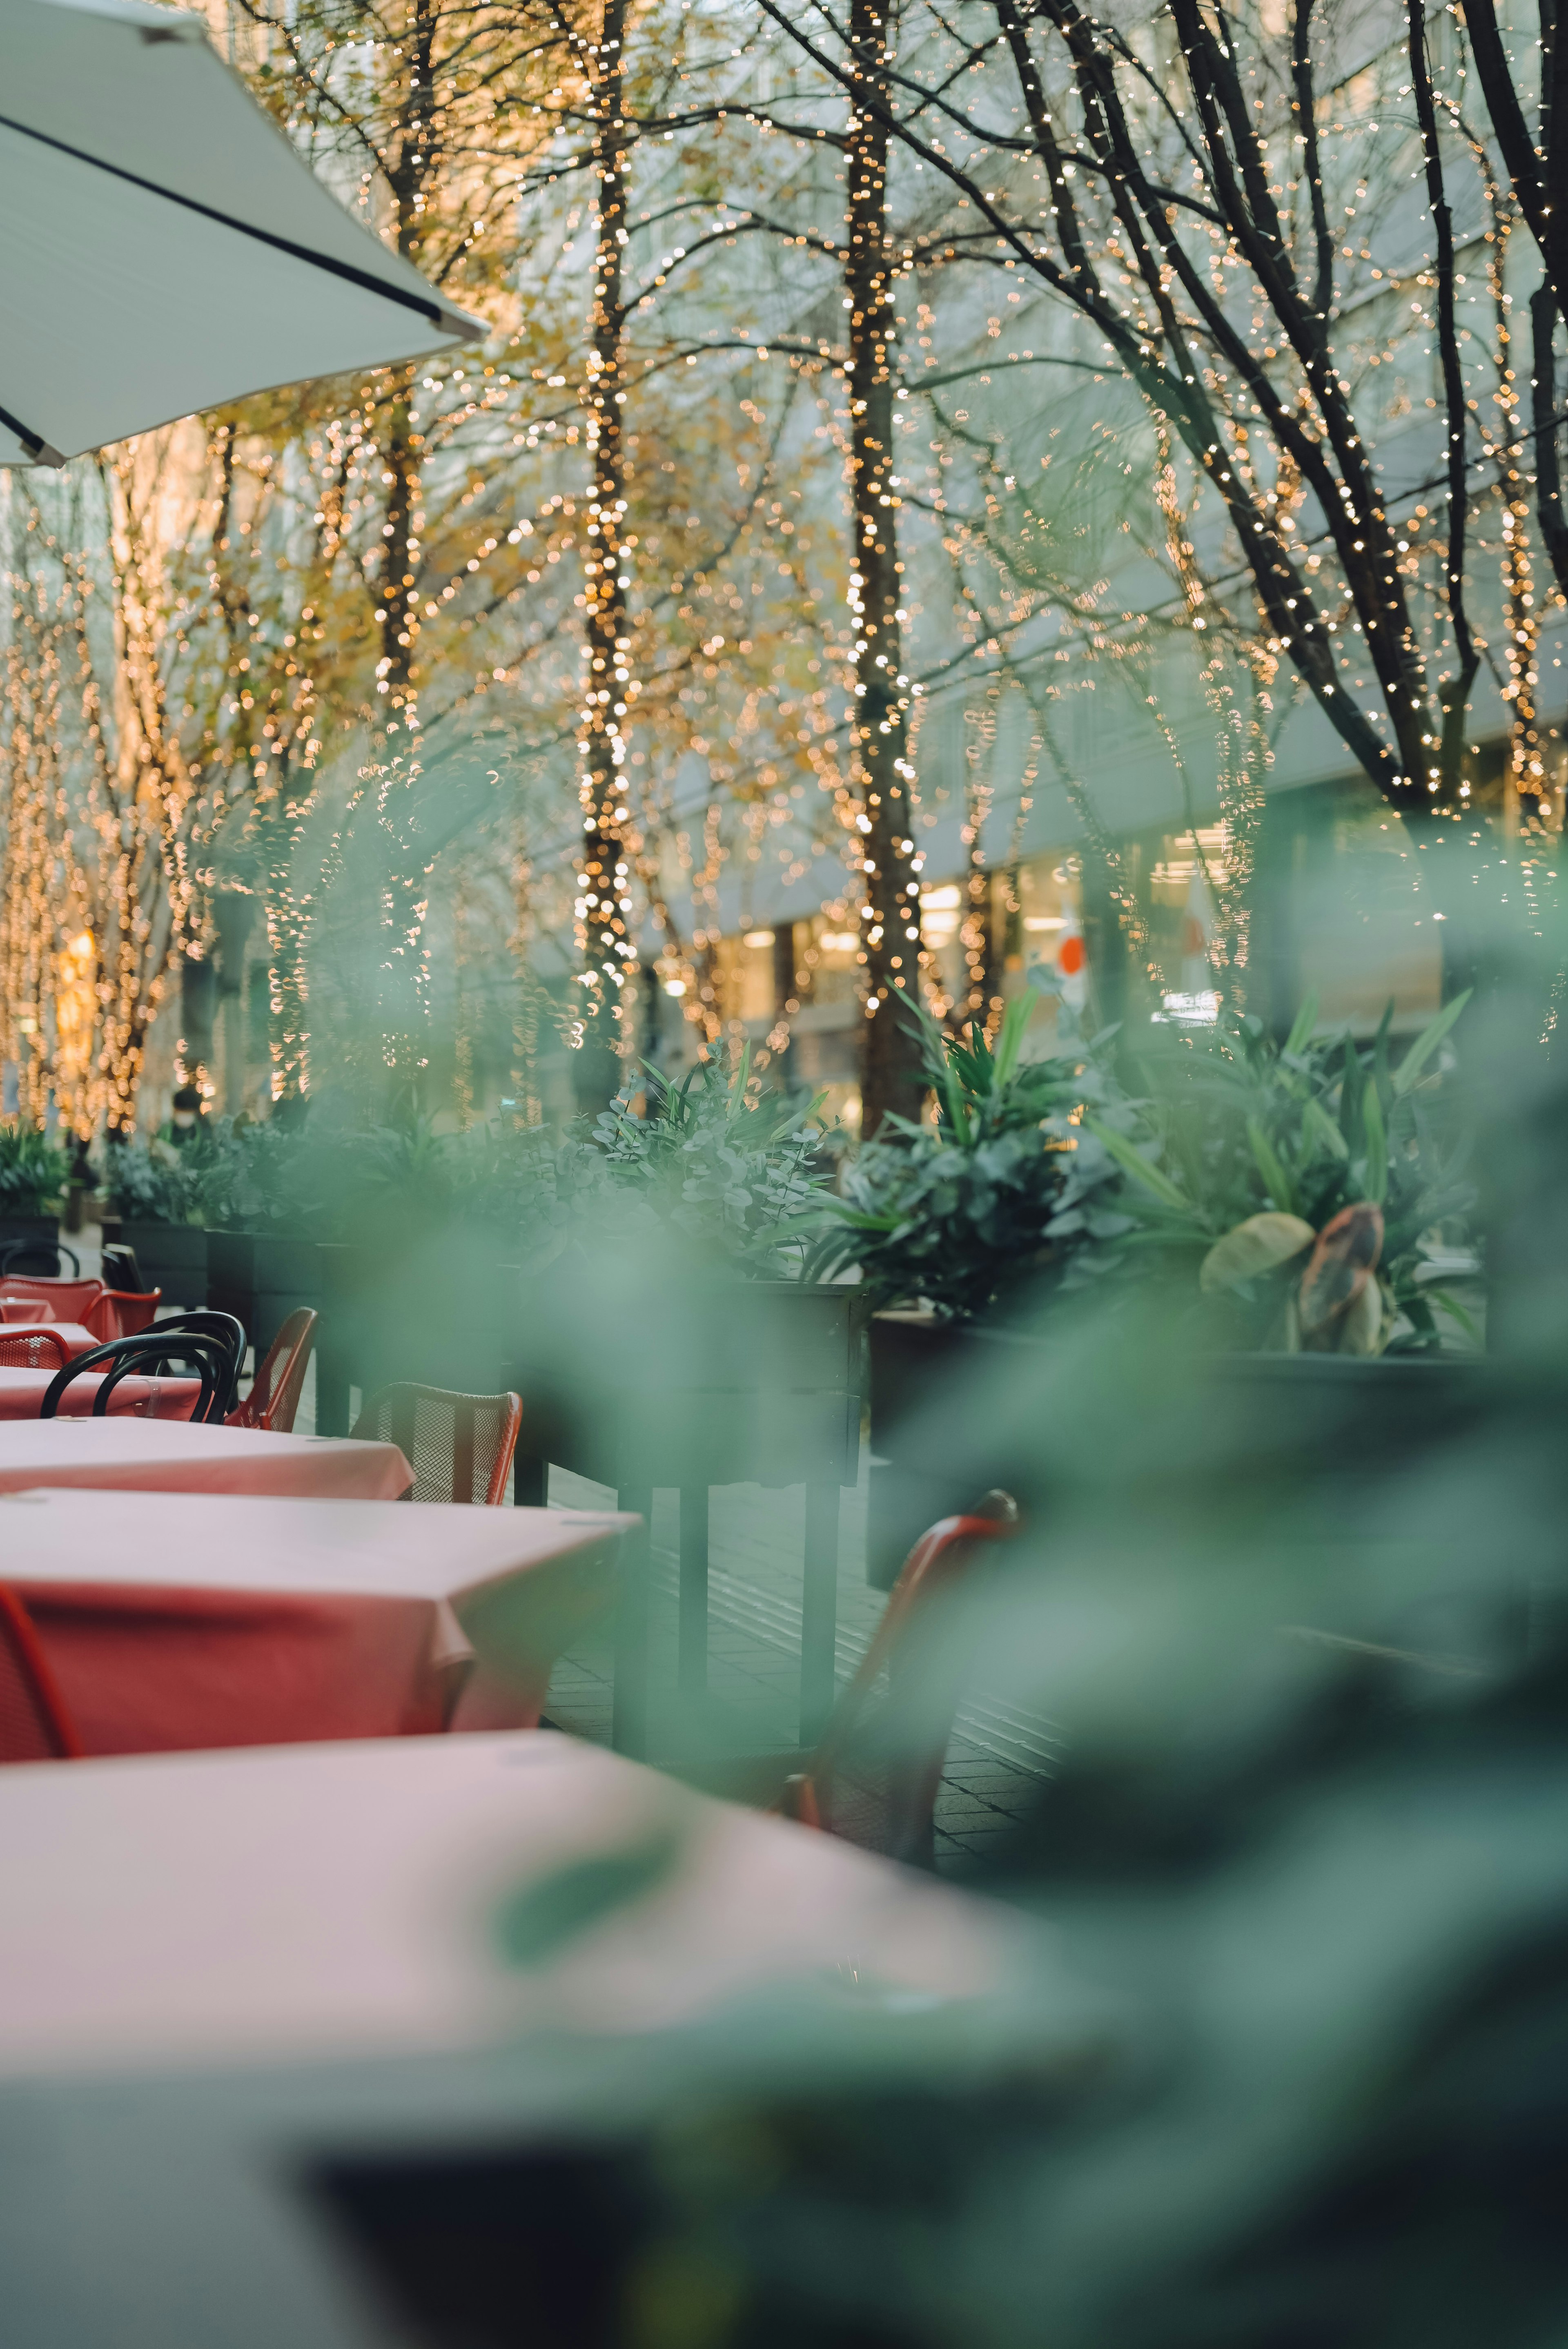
(692, 1675)
(529, 1481)
(818, 1610)
(629, 1713)
(331, 1390)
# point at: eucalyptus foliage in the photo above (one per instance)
(318, 1175)
(1240, 1151)
(33, 1171)
(1001, 1190)
(156, 1183)
(715, 1159)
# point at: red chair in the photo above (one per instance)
(875, 1775)
(274, 1392)
(69, 1300)
(32, 1349)
(459, 1446)
(121, 1313)
(35, 1725)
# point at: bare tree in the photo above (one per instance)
(1179, 191)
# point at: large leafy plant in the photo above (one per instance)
(717, 1161)
(999, 1193)
(33, 1171)
(1299, 1186)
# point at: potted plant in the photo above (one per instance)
(261, 1223)
(960, 1226)
(421, 1262)
(157, 1204)
(33, 1174)
(674, 1342)
(1310, 1197)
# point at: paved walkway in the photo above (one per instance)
(755, 1545)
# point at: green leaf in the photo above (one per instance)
(1377, 1147)
(1450, 1304)
(1302, 1026)
(1321, 1126)
(1426, 1043)
(1128, 1155)
(1277, 1182)
(1352, 1086)
(1381, 1076)
(1010, 1043)
(535, 1924)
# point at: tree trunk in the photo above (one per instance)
(890, 905)
(604, 875)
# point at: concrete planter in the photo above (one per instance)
(261, 1279)
(735, 1383)
(439, 1313)
(1301, 1419)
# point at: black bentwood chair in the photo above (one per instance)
(38, 1259)
(206, 1321)
(191, 1354)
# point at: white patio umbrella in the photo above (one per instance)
(167, 249)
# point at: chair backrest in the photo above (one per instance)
(35, 1725)
(191, 1354)
(69, 1301)
(274, 1392)
(121, 1313)
(875, 1775)
(32, 1349)
(37, 1254)
(459, 1446)
(120, 1269)
(206, 1321)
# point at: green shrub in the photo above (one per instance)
(33, 1171)
(974, 1212)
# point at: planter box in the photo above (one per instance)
(746, 1382)
(41, 1231)
(261, 1279)
(442, 1313)
(172, 1257)
(733, 1382)
(954, 1408)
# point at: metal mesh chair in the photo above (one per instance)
(122, 1313)
(120, 1269)
(67, 1300)
(274, 1392)
(35, 1725)
(32, 1349)
(459, 1446)
(874, 1777)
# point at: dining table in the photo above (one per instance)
(174, 1620)
(231, 1983)
(137, 1396)
(171, 1456)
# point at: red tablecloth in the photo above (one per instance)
(170, 1455)
(184, 1619)
(22, 1394)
